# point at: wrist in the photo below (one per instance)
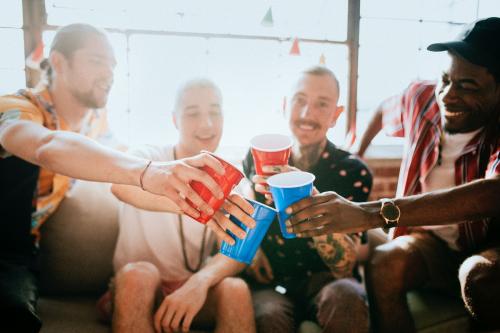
(143, 173)
(134, 170)
(372, 213)
(202, 280)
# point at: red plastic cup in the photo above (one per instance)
(227, 182)
(270, 149)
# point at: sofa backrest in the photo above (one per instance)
(78, 241)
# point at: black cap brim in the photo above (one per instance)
(463, 49)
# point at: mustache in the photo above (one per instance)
(307, 123)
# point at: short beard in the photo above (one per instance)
(87, 99)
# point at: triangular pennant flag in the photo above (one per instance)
(295, 47)
(322, 59)
(267, 21)
(35, 57)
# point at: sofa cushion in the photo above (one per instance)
(78, 241)
(70, 314)
(435, 313)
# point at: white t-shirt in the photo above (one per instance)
(443, 177)
(155, 236)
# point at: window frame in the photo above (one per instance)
(35, 23)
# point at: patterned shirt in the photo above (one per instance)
(294, 260)
(415, 116)
(49, 189)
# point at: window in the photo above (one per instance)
(12, 55)
(160, 44)
(394, 36)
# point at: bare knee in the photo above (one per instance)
(136, 276)
(389, 262)
(479, 286)
(232, 289)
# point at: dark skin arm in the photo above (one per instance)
(328, 212)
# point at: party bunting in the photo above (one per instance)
(295, 50)
(322, 59)
(267, 21)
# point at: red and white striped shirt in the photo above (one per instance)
(415, 116)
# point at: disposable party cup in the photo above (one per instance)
(227, 182)
(244, 249)
(286, 189)
(270, 149)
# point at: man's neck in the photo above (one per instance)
(306, 157)
(181, 152)
(68, 108)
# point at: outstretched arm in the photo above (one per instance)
(328, 212)
(235, 205)
(77, 156)
(374, 127)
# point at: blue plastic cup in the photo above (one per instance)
(286, 189)
(244, 249)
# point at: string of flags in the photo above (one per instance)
(268, 21)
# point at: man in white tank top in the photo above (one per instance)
(163, 279)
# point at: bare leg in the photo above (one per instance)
(136, 285)
(228, 307)
(479, 277)
(395, 268)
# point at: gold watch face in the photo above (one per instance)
(390, 212)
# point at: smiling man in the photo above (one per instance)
(446, 214)
(163, 281)
(319, 274)
(46, 137)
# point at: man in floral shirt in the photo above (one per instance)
(316, 274)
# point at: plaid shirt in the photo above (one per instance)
(415, 116)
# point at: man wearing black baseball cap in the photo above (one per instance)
(478, 43)
(446, 214)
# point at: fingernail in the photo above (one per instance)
(288, 223)
(242, 235)
(299, 235)
(288, 210)
(210, 211)
(232, 242)
(289, 230)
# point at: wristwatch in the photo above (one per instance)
(390, 213)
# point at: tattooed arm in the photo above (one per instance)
(338, 252)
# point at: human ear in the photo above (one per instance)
(336, 114)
